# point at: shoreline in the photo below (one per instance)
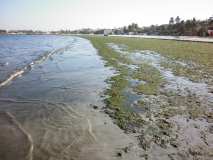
(161, 37)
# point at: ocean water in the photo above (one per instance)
(19, 51)
(49, 84)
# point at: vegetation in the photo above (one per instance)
(142, 79)
(181, 51)
(175, 27)
(178, 27)
(152, 78)
(116, 99)
(198, 56)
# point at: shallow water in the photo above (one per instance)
(53, 102)
(19, 51)
(69, 75)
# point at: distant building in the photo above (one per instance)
(3, 31)
(21, 32)
(118, 31)
(210, 31)
(107, 32)
(210, 28)
(202, 31)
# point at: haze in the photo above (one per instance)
(76, 14)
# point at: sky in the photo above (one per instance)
(76, 14)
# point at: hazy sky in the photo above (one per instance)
(75, 14)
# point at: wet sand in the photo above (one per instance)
(73, 132)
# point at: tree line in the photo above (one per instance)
(175, 27)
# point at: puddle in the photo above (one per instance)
(131, 100)
(135, 82)
(119, 48)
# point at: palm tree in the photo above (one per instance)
(171, 21)
(177, 19)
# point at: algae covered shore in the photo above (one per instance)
(162, 92)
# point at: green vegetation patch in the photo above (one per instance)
(152, 78)
(124, 117)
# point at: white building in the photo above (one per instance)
(107, 32)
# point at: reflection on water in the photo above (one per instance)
(51, 101)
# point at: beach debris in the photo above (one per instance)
(95, 107)
(119, 154)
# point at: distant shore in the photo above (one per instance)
(177, 38)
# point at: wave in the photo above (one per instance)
(28, 67)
